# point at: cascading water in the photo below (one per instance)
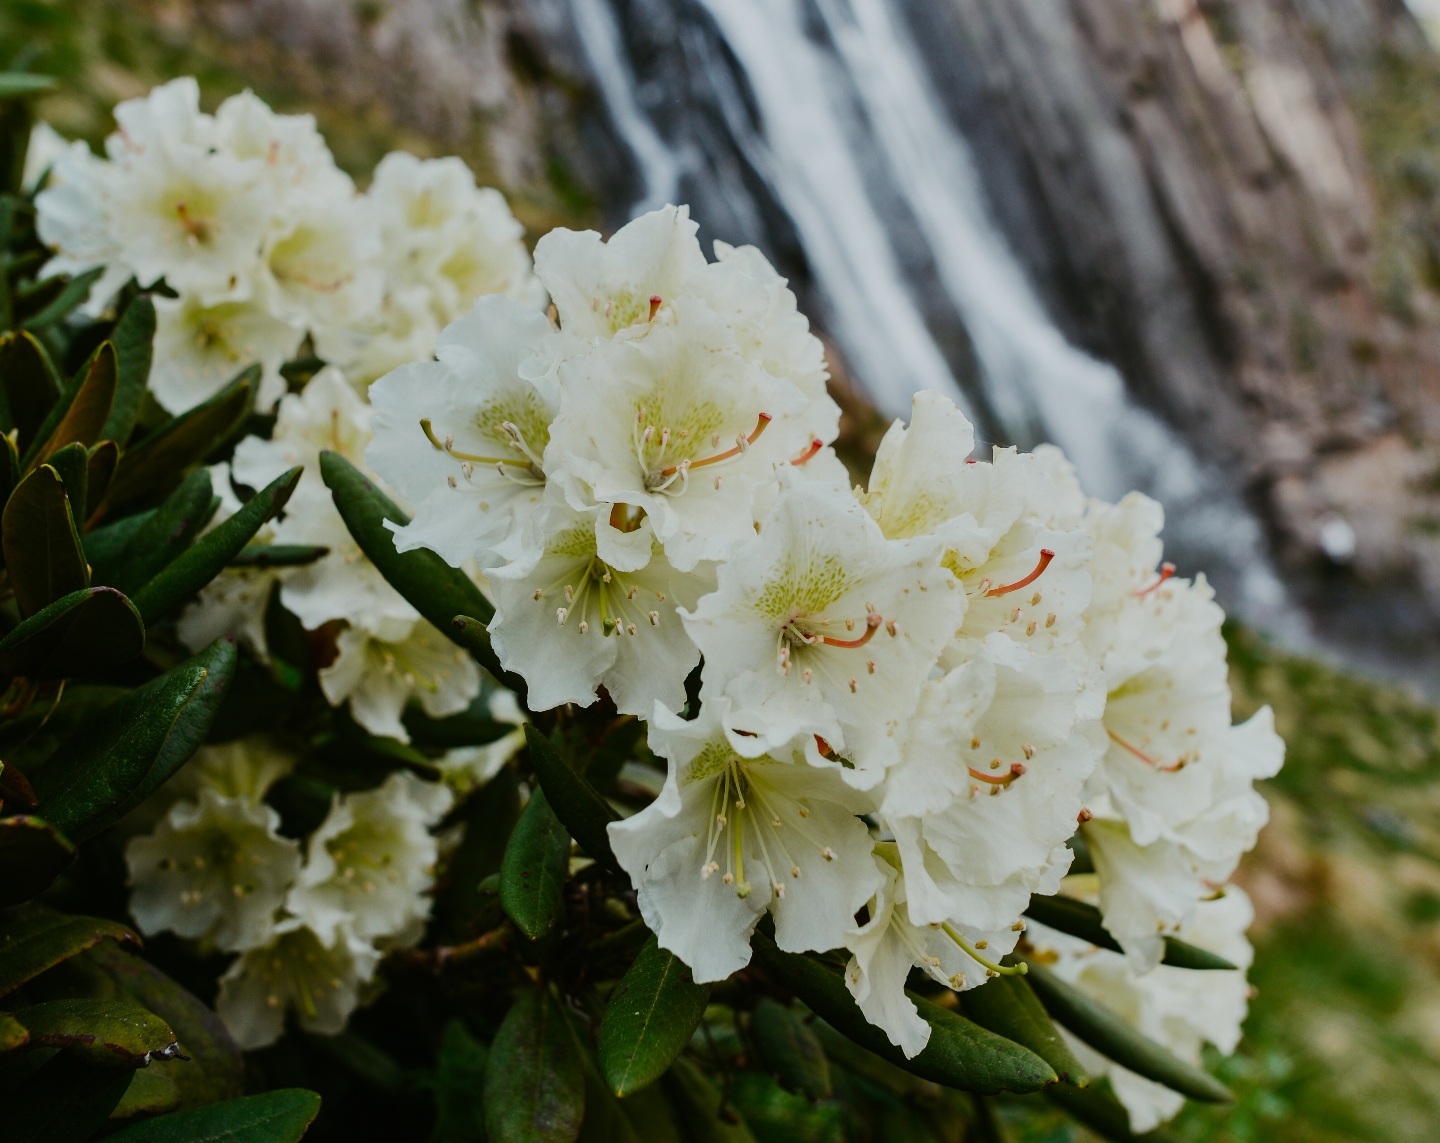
(833, 111)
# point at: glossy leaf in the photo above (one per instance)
(104, 544)
(79, 416)
(30, 384)
(278, 555)
(960, 1054)
(107, 1033)
(435, 589)
(162, 460)
(32, 854)
(789, 1050)
(133, 338)
(1085, 921)
(116, 760)
(279, 1116)
(576, 803)
(34, 938)
(652, 1014)
(42, 548)
(459, 1080)
(1098, 1109)
(1007, 1006)
(532, 873)
(102, 461)
(66, 1101)
(75, 291)
(534, 1083)
(73, 464)
(1112, 1037)
(204, 560)
(13, 1034)
(160, 536)
(474, 636)
(90, 630)
(215, 1069)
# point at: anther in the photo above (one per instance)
(1083, 816)
(569, 593)
(560, 614)
(1167, 569)
(806, 674)
(849, 625)
(1046, 555)
(891, 628)
(631, 593)
(630, 628)
(870, 666)
(654, 619)
(655, 303)
(982, 944)
(1030, 627)
(584, 627)
(854, 686)
(538, 593)
(1018, 927)
(450, 480)
(1027, 750)
(1050, 620)
(828, 853)
(606, 578)
(1035, 600)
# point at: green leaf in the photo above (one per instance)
(490, 817)
(33, 939)
(278, 555)
(960, 1054)
(42, 548)
(32, 854)
(1111, 1036)
(159, 537)
(435, 589)
(532, 873)
(474, 636)
(133, 338)
(66, 1101)
(90, 630)
(18, 84)
(116, 760)
(789, 1050)
(159, 462)
(215, 1069)
(1007, 1006)
(103, 545)
(79, 416)
(29, 383)
(1085, 921)
(274, 1117)
(576, 803)
(76, 290)
(100, 467)
(534, 1082)
(13, 1034)
(207, 557)
(1098, 1109)
(651, 1016)
(107, 1033)
(9, 468)
(700, 1104)
(459, 1079)
(151, 1092)
(73, 464)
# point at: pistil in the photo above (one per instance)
(1046, 555)
(1167, 569)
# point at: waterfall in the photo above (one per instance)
(858, 151)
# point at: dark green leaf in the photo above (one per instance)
(13, 1034)
(459, 1079)
(273, 1117)
(163, 459)
(32, 854)
(9, 468)
(700, 1104)
(116, 760)
(73, 464)
(1098, 1109)
(159, 536)
(534, 1083)
(490, 816)
(789, 1050)
(532, 874)
(30, 385)
(359, 1056)
(80, 414)
(651, 1016)
(576, 803)
(772, 1113)
(960, 1054)
(33, 939)
(103, 459)
(474, 636)
(215, 1070)
(435, 589)
(103, 545)
(1007, 1006)
(1084, 921)
(152, 1091)
(1111, 1036)
(76, 290)
(42, 548)
(90, 630)
(205, 559)
(107, 1033)
(278, 555)
(133, 338)
(66, 1101)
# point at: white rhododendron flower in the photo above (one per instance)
(1177, 1008)
(733, 834)
(201, 347)
(464, 437)
(821, 626)
(1173, 798)
(369, 866)
(295, 972)
(215, 868)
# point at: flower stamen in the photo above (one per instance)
(1167, 569)
(1046, 555)
(742, 443)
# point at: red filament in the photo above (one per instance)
(1167, 569)
(1016, 769)
(816, 444)
(655, 303)
(760, 426)
(1046, 555)
(872, 625)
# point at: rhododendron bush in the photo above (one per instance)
(481, 675)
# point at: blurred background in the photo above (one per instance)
(1194, 242)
